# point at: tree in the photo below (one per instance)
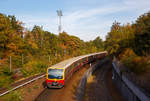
(16, 25)
(119, 38)
(98, 42)
(142, 35)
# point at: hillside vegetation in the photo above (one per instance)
(27, 52)
(130, 43)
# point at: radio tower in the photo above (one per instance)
(59, 13)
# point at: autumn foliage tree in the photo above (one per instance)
(119, 38)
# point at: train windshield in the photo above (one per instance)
(55, 73)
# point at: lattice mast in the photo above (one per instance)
(59, 13)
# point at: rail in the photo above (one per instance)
(8, 91)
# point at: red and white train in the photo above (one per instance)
(58, 74)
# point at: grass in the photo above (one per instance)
(13, 96)
(5, 81)
(35, 87)
(29, 90)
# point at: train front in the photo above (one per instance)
(55, 78)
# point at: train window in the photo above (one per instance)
(55, 73)
(76, 64)
(85, 59)
(66, 72)
(68, 69)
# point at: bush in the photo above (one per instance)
(5, 76)
(5, 81)
(6, 71)
(16, 61)
(136, 64)
(14, 96)
(41, 65)
(33, 67)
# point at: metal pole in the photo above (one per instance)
(60, 23)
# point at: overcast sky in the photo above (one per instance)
(86, 19)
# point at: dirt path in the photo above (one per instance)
(66, 93)
(100, 86)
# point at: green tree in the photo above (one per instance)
(98, 42)
(119, 38)
(142, 35)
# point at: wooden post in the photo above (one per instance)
(56, 55)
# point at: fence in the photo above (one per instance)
(128, 89)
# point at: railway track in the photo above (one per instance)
(84, 59)
(20, 83)
(99, 90)
(102, 87)
(66, 93)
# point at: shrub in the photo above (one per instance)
(41, 65)
(5, 77)
(5, 81)
(29, 90)
(126, 53)
(35, 87)
(16, 61)
(14, 96)
(33, 67)
(136, 64)
(6, 71)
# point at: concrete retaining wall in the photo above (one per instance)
(88, 73)
(128, 89)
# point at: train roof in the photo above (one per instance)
(64, 64)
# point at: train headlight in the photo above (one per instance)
(61, 85)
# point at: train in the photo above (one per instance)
(57, 75)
